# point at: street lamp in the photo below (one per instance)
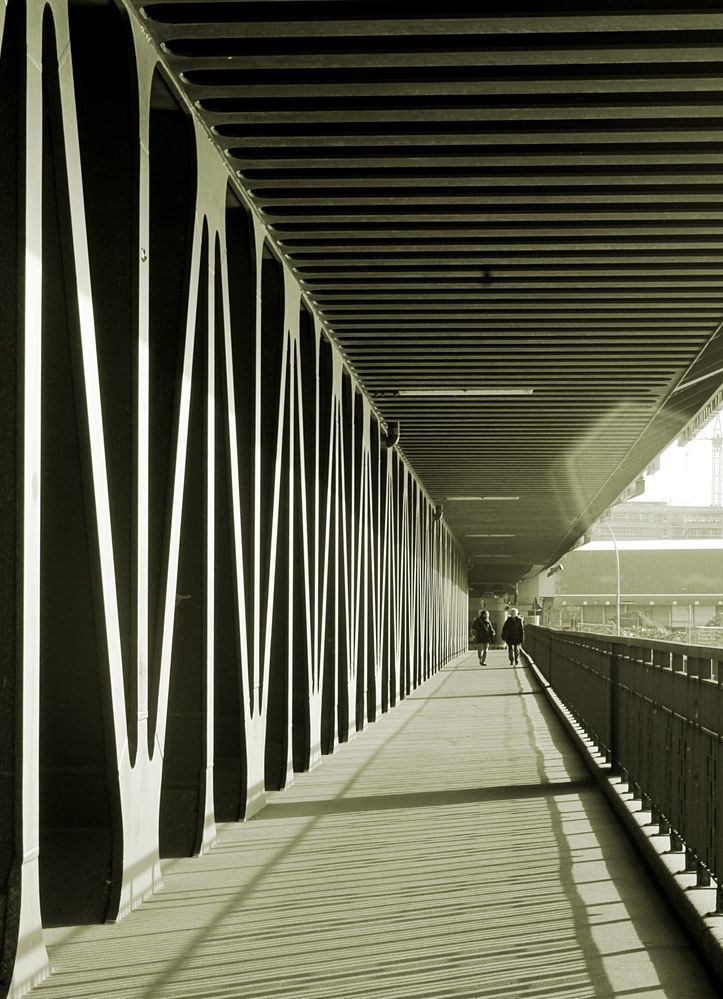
(617, 575)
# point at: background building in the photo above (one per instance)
(670, 582)
(659, 521)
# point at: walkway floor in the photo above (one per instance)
(455, 849)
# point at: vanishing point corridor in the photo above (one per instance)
(455, 849)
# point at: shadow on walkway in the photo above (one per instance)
(455, 849)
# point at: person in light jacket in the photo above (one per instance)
(484, 634)
(513, 632)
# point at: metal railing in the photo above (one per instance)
(655, 711)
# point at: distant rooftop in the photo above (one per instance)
(661, 544)
(658, 521)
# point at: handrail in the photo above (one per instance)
(655, 711)
(715, 652)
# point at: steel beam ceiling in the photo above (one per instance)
(497, 196)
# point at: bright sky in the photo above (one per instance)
(684, 477)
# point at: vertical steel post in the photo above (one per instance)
(614, 682)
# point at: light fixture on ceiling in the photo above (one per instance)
(391, 438)
(479, 499)
(490, 535)
(462, 393)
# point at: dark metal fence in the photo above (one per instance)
(655, 711)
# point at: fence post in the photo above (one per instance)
(614, 683)
(718, 831)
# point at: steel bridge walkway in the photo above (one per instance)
(456, 848)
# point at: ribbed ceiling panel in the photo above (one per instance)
(528, 197)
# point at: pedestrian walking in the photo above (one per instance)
(513, 632)
(484, 635)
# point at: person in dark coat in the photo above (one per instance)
(484, 634)
(513, 632)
